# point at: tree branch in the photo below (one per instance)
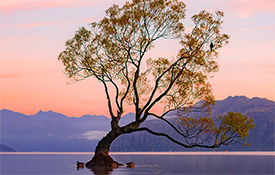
(109, 99)
(173, 140)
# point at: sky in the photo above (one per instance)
(33, 33)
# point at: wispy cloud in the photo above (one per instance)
(94, 135)
(9, 6)
(34, 25)
(6, 76)
(21, 39)
(27, 71)
(248, 8)
(62, 23)
(80, 21)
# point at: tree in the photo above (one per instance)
(114, 52)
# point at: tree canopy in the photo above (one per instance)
(114, 50)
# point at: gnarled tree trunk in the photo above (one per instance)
(101, 156)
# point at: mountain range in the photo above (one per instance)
(5, 148)
(262, 138)
(51, 131)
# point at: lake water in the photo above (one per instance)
(172, 163)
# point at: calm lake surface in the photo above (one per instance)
(173, 163)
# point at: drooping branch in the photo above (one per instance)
(174, 140)
(202, 125)
(166, 121)
(233, 128)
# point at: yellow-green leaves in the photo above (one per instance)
(76, 53)
(234, 128)
(229, 129)
(235, 124)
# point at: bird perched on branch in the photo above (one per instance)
(211, 46)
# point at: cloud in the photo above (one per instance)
(60, 23)
(9, 6)
(21, 38)
(33, 25)
(9, 76)
(94, 135)
(63, 23)
(248, 8)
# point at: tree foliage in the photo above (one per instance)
(230, 129)
(114, 51)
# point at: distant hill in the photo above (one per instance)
(51, 131)
(5, 148)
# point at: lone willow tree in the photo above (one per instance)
(114, 51)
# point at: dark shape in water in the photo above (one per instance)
(79, 165)
(102, 170)
(130, 165)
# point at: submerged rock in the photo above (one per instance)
(130, 165)
(79, 164)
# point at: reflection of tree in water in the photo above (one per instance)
(98, 170)
(102, 170)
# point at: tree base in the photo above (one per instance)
(100, 160)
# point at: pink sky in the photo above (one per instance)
(33, 33)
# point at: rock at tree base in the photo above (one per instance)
(130, 165)
(101, 160)
(79, 165)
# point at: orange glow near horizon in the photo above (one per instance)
(33, 33)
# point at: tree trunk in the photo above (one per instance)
(102, 157)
